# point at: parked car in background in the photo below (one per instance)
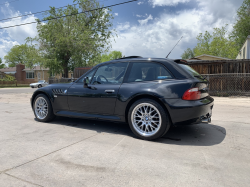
(39, 84)
(150, 94)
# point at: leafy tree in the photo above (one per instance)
(75, 39)
(2, 65)
(189, 53)
(23, 54)
(216, 44)
(111, 56)
(203, 45)
(241, 28)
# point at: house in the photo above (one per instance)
(208, 57)
(30, 75)
(244, 52)
(2, 75)
(9, 71)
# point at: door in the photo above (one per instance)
(38, 76)
(105, 87)
(78, 95)
(100, 97)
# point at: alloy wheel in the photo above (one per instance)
(146, 119)
(41, 108)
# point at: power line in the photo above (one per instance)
(9, 2)
(37, 12)
(69, 15)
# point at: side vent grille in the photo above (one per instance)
(57, 91)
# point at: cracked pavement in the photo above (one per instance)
(79, 152)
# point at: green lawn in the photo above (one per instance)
(14, 86)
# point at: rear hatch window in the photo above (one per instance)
(190, 70)
(202, 84)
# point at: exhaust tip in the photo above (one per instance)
(206, 120)
(209, 120)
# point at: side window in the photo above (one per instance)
(110, 74)
(89, 75)
(148, 71)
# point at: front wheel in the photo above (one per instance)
(43, 109)
(148, 120)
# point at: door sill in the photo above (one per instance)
(85, 115)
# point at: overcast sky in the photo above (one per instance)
(148, 28)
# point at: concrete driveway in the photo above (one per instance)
(77, 152)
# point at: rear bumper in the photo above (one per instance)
(195, 111)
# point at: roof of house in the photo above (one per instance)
(194, 58)
(35, 68)
(222, 58)
(11, 69)
(216, 61)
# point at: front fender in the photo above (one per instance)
(48, 93)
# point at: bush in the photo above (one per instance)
(8, 78)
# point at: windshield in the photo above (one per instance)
(41, 81)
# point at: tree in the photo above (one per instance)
(111, 56)
(216, 44)
(23, 54)
(2, 65)
(72, 39)
(241, 28)
(189, 53)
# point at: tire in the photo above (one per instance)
(39, 86)
(159, 116)
(40, 116)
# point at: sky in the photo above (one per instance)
(148, 28)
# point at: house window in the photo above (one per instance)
(244, 53)
(29, 75)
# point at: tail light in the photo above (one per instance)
(192, 94)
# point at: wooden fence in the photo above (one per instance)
(8, 83)
(221, 66)
(230, 84)
(78, 72)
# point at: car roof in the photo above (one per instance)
(138, 58)
(169, 63)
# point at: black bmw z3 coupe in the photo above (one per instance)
(150, 94)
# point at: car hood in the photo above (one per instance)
(60, 85)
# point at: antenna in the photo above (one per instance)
(174, 47)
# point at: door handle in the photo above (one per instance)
(109, 91)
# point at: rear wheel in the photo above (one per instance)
(43, 109)
(39, 86)
(148, 119)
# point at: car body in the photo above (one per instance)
(39, 84)
(150, 94)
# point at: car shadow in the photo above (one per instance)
(196, 135)
(201, 134)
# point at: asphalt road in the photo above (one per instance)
(77, 152)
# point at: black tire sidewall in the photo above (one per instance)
(39, 86)
(164, 116)
(50, 115)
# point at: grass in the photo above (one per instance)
(14, 86)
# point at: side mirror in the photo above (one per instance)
(85, 82)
